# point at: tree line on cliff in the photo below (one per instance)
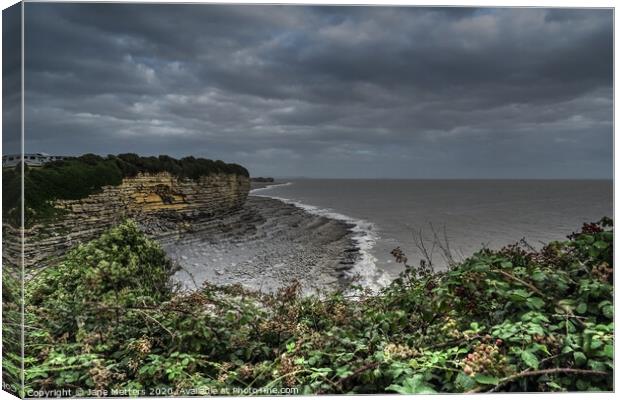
(78, 177)
(107, 317)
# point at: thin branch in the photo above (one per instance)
(444, 246)
(524, 283)
(526, 244)
(191, 276)
(144, 313)
(357, 372)
(534, 289)
(419, 243)
(527, 373)
(447, 243)
(545, 372)
(100, 307)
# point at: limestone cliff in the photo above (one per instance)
(163, 204)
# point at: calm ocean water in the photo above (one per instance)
(387, 213)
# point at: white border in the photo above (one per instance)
(479, 3)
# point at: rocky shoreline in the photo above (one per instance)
(266, 245)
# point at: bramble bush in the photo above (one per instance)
(515, 319)
(11, 329)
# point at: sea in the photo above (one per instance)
(462, 215)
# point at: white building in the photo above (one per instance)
(34, 159)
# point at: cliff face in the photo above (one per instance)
(162, 204)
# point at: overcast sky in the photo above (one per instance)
(327, 91)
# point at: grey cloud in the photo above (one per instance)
(327, 91)
(11, 79)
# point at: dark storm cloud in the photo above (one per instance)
(11, 79)
(327, 91)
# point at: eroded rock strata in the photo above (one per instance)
(162, 203)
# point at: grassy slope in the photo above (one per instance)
(509, 320)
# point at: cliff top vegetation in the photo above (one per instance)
(516, 319)
(81, 176)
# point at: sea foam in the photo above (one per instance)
(364, 238)
(270, 187)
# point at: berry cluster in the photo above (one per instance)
(399, 351)
(486, 358)
(589, 229)
(287, 370)
(399, 256)
(102, 376)
(449, 328)
(223, 373)
(340, 314)
(603, 272)
(552, 341)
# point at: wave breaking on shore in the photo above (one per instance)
(364, 237)
(268, 186)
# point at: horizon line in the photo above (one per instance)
(438, 179)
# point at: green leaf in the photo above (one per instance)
(608, 311)
(596, 344)
(588, 238)
(533, 328)
(582, 308)
(481, 267)
(580, 358)
(597, 365)
(608, 350)
(601, 245)
(535, 302)
(519, 295)
(582, 384)
(343, 372)
(464, 382)
(530, 359)
(565, 305)
(414, 385)
(486, 379)
(290, 347)
(554, 385)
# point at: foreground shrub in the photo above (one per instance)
(509, 320)
(11, 329)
